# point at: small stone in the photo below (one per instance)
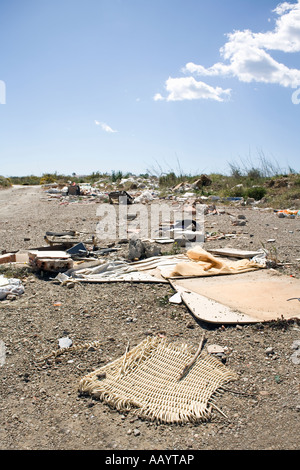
(2, 353)
(136, 249)
(250, 200)
(296, 344)
(239, 222)
(136, 432)
(11, 297)
(269, 350)
(215, 349)
(295, 357)
(176, 298)
(263, 393)
(65, 342)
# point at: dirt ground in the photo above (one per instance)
(40, 407)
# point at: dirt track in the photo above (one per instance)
(40, 405)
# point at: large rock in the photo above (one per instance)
(139, 250)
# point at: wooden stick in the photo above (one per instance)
(61, 351)
(193, 360)
(218, 409)
(124, 360)
(239, 393)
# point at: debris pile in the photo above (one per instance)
(10, 288)
(289, 213)
(215, 282)
(136, 189)
(52, 261)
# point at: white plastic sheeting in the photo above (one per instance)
(10, 286)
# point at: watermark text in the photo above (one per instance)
(155, 221)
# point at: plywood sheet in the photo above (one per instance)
(256, 296)
(235, 253)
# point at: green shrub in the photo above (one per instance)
(47, 178)
(297, 182)
(169, 179)
(256, 192)
(116, 176)
(4, 182)
(237, 191)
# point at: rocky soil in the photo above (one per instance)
(40, 404)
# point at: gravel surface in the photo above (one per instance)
(40, 404)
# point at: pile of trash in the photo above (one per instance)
(139, 190)
(142, 190)
(193, 275)
(73, 193)
(73, 256)
(289, 213)
(10, 287)
(146, 196)
(71, 259)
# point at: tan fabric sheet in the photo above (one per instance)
(202, 263)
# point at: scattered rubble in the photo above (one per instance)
(10, 288)
(291, 214)
(295, 357)
(48, 413)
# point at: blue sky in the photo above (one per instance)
(148, 85)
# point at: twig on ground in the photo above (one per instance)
(194, 358)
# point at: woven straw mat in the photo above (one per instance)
(146, 380)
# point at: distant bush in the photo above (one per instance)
(263, 167)
(4, 182)
(256, 192)
(25, 180)
(237, 191)
(169, 179)
(47, 178)
(117, 176)
(297, 182)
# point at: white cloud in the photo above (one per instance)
(248, 56)
(105, 127)
(187, 88)
(158, 97)
(286, 34)
(283, 7)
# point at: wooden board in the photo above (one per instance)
(257, 296)
(234, 253)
